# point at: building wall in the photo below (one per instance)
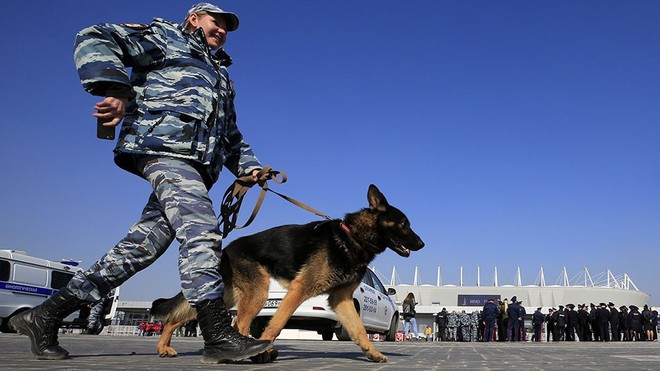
(432, 299)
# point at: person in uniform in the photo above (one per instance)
(614, 322)
(466, 326)
(594, 322)
(571, 322)
(488, 317)
(513, 312)
(441, 321)
(624, 323)
(603, 322)
(474, 325)
(550, 328)
(559, 317)
(647, 317)
(179, 130)
(537, 323)
(452, 325)
(583, 323)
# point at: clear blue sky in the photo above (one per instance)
(512, 133)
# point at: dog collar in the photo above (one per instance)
(345, 227)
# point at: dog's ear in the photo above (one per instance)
(376, 199)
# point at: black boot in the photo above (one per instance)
(222, 343)
(42, 323)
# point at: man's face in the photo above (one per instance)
(214, 26)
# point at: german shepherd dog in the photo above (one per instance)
(324, 257)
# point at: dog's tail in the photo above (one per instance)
(176, 309)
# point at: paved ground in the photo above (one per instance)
(138, 353)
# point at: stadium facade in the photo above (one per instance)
(582, 288)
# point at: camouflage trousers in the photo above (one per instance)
(179, 207)
(94, 319)
(451, 333)
(465, 331)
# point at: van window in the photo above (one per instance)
(4, 270)
(30, 275)
(60, 279)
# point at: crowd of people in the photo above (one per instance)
(603, 322)
(150, 328)
(459, 326)
(506, 321)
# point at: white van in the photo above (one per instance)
(26, 281)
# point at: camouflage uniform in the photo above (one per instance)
(465, 325)
(178, 132)
(452, 323)
(474, 326)
(95, 321)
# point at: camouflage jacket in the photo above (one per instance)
(181, 101)
(452, 319)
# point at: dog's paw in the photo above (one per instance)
(167, 352)
(377, 356)
(266, 357)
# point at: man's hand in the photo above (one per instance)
(110, 110)
(254, 174)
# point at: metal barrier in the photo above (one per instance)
(119, 330)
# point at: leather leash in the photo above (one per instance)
(233, 198)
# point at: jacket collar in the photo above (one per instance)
(220, 56)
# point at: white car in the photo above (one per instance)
(378, 312)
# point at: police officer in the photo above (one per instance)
(474, 325)
(614, 322)
(537, 323)
(513, 311)
(603, 322)
(441, 321)
(583, 323)
(594, 322)
(488, 318)
(571, 322)
(179, 130)
(452, 323)
(559, 318)
(465, 321)
(550, 328)
(624, 323)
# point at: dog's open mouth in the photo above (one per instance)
(399, 249)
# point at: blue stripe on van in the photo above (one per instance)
(25, 288)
